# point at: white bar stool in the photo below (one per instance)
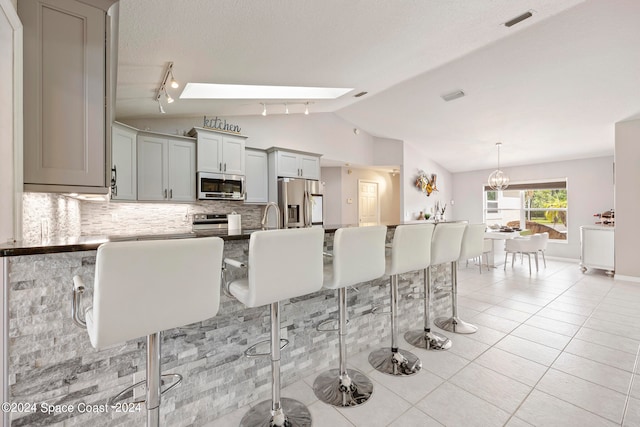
(143, 287)
(427, 338)
(446, 247)
(283, 264)
(409, 252)
(358, 256)
(473, 243)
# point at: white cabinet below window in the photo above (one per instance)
(166, 168)
(256, 179)
(292, 164)
(123, 162)
(219, 152)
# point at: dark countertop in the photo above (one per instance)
(88, 243)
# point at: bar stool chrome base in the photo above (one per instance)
(455, 324)
(291, 414)
(428, 340)
(401, 363)
(351, 390)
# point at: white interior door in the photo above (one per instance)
(368, 207)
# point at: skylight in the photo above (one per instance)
(224, 91)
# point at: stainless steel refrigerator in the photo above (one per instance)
(300, 201)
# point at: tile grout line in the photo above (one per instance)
(628, 397)
(561, 352)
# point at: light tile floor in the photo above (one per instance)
(557, 348)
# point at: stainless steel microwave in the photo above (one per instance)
(217, 186)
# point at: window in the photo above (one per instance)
(538, 207)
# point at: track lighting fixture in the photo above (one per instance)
(162, 90)
(286, 107)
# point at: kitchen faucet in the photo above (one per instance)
(266, 213)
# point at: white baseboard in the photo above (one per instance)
(627, 278)
(557, 258)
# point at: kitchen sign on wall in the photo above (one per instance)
(220, 124)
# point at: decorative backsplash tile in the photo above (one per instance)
(68, 217)
(49, 215)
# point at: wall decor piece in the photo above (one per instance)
(220, 124)
(426, 182)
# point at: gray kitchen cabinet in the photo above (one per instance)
(123, 162)
(256, 179)
(219, 152)
(295, 164)
(166, 168)
(65, 86)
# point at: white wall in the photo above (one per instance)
(589, 186)
(332, 178)
(322, 133)
(388, 197)
(412, 199)
(627, 198)
(387, 152)
(10, 35)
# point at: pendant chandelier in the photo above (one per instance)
(498, 180)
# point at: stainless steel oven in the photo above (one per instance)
(217, 186)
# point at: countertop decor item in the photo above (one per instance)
(426, 182)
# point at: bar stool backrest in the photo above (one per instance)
(143, 287)
(447, 242)
(472, 241)
(358, 256)
(284, 264)
(411, 248)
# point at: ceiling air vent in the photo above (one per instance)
(453, 95)
(518, 19)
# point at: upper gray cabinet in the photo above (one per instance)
(166, 168)
(123, 162)
(219, 152)
(65, 46)
(256, 179)
(295, 164)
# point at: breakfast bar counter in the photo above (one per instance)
(50, 359)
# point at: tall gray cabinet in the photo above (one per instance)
(65, 95)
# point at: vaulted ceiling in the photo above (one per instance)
(550, 88)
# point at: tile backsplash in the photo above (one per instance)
(49, 215)
(64, 216)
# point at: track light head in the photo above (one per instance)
(162, 90)
(174, 82)
(306, 109)
(264, 109)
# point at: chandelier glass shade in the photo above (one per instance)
(498, 179)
